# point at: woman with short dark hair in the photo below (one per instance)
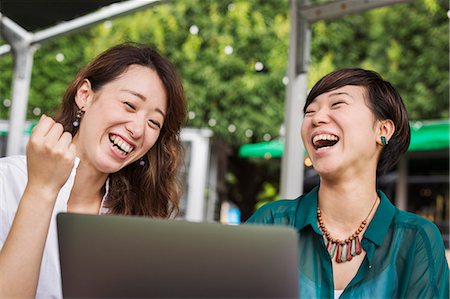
(113, 148)
(353, 243)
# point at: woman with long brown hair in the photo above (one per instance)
(113, 148)
(353, 243)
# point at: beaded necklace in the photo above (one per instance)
(346, 249)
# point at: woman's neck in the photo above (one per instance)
(88, 187)
(346, 203)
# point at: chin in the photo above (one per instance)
(326, 170)
(109, 167)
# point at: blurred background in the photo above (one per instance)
(233, 58)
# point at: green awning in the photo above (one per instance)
(270, 149)
(425, 136)
(29, 125)
(429, 135)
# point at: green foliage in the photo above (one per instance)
(224, 91)
(268, 193)
(50, 77)
(407, 44)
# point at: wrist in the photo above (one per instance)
(42, 192)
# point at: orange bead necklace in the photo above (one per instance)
(346, 249)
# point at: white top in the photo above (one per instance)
(338, 293)
(13, 179)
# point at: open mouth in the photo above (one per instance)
(120, 145)
(324, 141)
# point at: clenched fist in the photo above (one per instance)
(50, 156)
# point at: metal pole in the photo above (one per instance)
(198, 170)
(23, 62)
(339, 9)
(108, 12)
(20, 42)
(111, 11)
(401, 193)
(4, 49)
(292, 166)
(212, 186)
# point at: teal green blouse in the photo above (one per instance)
(405, 254)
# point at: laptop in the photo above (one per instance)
(105, 256)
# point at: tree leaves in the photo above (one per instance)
(232, 56)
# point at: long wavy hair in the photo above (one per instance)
(150, 190)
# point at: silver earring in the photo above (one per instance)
(80, 113)
(142, 162)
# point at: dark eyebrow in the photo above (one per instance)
(143, 98)
(340, 93)
(137, 94)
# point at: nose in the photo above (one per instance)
(136, 126)
(320, 117)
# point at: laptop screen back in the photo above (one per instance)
(119, 256)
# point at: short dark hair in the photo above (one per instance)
(383, 100)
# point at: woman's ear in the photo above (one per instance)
(84, 95)
(386, 128)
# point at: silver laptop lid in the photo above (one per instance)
(137, 257)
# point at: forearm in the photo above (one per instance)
(21, 255)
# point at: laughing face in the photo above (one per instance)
(339, 132)
(122, 120)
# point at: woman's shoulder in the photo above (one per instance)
(406, 218)
(13, 165)
(426, 229)
(13, 174)
(9, 161)
(13, 179)
(423, 238)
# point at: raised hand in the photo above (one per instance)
(50, 159)
(50, 156)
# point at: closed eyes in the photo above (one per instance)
(337, 103)
(130, 106)
(333, 105)
(155, 123)
(152, 123)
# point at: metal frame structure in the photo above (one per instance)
(199, 169)
(22, 44)
(303, 16)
